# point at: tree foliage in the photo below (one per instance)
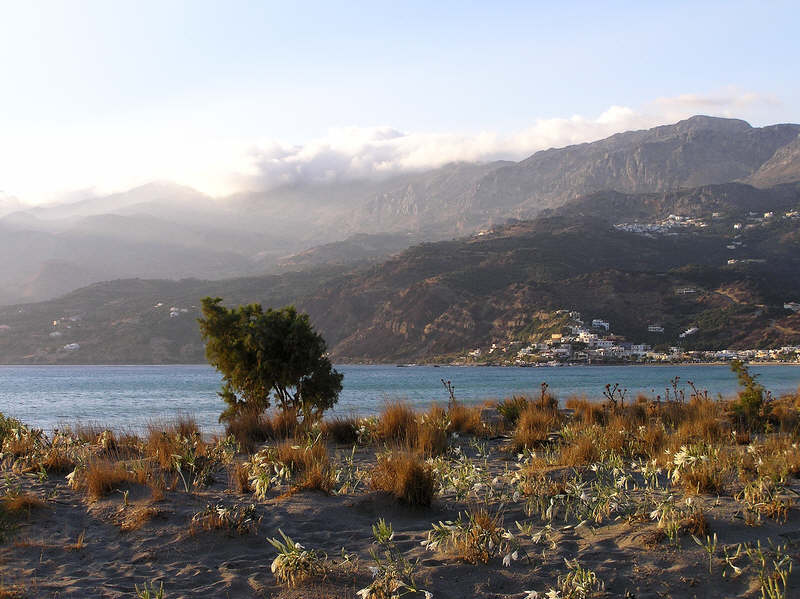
(268, 356)
(750, 403)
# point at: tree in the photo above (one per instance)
(268, 355)
(750, 403)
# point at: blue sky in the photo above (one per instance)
(228, 95)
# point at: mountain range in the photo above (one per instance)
(440, 298)
(164, 230)
(425, 264)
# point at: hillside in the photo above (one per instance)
(784, 166)
(446, 297)
(439, 298)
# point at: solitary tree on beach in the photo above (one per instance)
(266, 356)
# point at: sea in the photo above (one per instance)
(129, 398)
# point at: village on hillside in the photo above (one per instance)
(593, 342)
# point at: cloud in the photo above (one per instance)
(729, 102)
(116, 158)
(365, 152)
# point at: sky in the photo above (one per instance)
(101, 96)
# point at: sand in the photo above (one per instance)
(74, 547)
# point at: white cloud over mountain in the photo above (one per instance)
(112, 159)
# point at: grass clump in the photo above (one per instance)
(235, 520)
(344, 431)
(465, 420)
(406, 477)
(534, 425)
(16, 503)
(476, 537)
(101, 477)
(397, 424)
(394, 574)
(149, 591)
(249, 428)
(294, 563)
(305, 465)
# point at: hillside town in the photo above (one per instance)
(593, 342)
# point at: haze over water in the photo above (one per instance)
(122, 397)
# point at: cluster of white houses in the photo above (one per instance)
(579, 343)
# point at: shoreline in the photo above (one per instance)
(417, 364)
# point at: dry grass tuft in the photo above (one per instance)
(15, 591)
(317, 477)
(588, 412)
(696, 524)
(239, 478)
(102, 477)
(18, 503)
(580, 452)
(406, 477)
(136, 517)
(341, 430)
(397, 423)
(465, 420)
(250, 428)
(703, 479)
(534, 426)
(310, 466)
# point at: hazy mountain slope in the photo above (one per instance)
(728, 199)
(450, 296)
(160, 195)
(784, 166)
(167, 230)
(8, 204)
(26, 253)
(354, 249)
(698, 151)
(130, 321)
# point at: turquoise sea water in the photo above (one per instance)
(128, 397)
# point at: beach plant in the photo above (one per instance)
(697, 468)
(348, 476)
(668, 515)
(534, 425)
(304, 463)
(476, 536)
(234, 520)
(406, 477)
(774, 568)
(294, 563)
(342, 430)
(511, 408)
(764, 497)
(579, 582)
(149, 591)
(393, 574)
(709, 546)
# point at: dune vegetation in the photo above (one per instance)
(679, 497)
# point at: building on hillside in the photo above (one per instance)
(689, 331)
(655, 328)
(600, 324)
